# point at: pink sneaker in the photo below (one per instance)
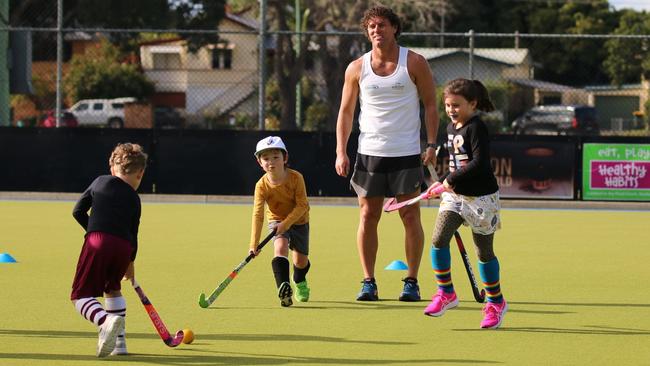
(494, 313)
(440, 302)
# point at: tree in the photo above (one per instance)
(556, 56)
(288, 60)
(336, 52)
(120, 14)
(89, 14)
(628, 59)
(198, 15)
(101, 75)
(241, 5)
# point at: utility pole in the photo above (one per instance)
(471, 54)
(297, 49)
(59, 60)
(5, 101)
(261, 108)
(442, 23)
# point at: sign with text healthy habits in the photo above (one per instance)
(616, 172)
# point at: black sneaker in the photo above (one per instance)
(411, 291)
(368, 291)
(284, 293)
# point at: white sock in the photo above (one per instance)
(91, 309)
(116, 306)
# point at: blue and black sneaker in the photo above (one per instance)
(368, 291)
(411, 291)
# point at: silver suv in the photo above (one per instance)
(101, 112)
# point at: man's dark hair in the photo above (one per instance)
(384, 12)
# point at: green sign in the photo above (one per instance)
(618, 172)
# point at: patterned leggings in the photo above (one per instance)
(448, 222)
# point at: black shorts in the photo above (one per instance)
(377, 176)
(298, 236)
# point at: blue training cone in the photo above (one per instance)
(396, 266)
(6, 258)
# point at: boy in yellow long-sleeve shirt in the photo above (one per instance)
(283, 191)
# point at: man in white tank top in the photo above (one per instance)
(389, 81)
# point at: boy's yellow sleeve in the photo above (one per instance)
(258, 215)
(302, 204)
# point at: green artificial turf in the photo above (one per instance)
(576, 282)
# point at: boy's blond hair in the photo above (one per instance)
(128, 158)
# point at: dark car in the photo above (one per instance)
(67, 120)
(167, 117)
(557, 120)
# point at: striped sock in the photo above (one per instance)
(441, 263)
(490, 276)
(117, 306)
(91, 309)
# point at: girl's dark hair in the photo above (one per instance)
(471, 90)
(384, 12)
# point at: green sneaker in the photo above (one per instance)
(302, 291)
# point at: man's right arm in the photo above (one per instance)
(346, 115)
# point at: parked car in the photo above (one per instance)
(557, 120)
(101, 112)
(167, 117)
(67, 119)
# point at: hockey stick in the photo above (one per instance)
(478, 296)
(204, 303)
(157, 322)
(392, 204)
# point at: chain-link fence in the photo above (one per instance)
(158, 78)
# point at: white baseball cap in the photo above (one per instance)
(270, 142)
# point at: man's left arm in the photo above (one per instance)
(425, 84)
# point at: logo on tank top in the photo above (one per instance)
(397, 86)
(372, 87)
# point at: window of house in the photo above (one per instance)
(166, 61)
(551, 99)
(222, 56)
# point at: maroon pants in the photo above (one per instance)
(102, 264)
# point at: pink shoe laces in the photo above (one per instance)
(444, 297)
(493, 312)
(440, 301)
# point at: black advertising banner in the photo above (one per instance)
(526, 169)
